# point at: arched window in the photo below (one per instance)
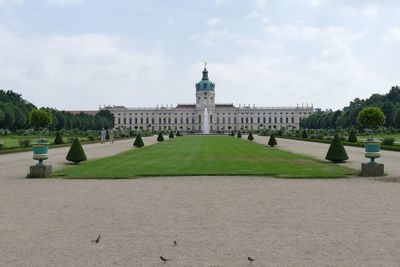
(199, 118)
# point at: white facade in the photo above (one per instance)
(221, 117)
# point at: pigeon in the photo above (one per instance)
(175, 243)
(97, 240)
(250, 259)
(164, 259)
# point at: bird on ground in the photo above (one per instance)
(175, 243)
(164, 259)
(250, 259)
(96, 240)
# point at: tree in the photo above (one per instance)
(371, 117)
(58, 140)
(272, 141)
(396, 118)
(9, 119)
(352, 136)
(138, 141)
(20, 118)
(2, 117)
(250, 137)
(40, 120)
(160, 137)
(76, 153)
(336, 152)
(171, 135)
(239, 134)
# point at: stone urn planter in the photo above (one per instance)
(372, 149)
(40, 152)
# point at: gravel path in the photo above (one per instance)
(217, 221)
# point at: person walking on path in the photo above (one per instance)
(102, 135)
(111, 133)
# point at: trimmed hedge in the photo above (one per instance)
(272, 141)
(76, 153)
(336, 152)
(138, 141)
(160, 137)
(352, 136)
(250, 137)
(58, 140)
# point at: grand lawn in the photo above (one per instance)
(206, 155)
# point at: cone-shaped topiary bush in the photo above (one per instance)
(160, 137)
(76, 153)
(138, 141)
(171, 135)
(250, 137)
(304, 134)
(178, 133)
(232, 133)
(58, 140)
(336, 152)
(239, 135)
(272, 141)
(352, 136)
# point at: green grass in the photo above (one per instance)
(11, 141)
(206, 155)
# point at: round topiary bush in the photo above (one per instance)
(40, 120)
(336, 152)
(239, 134)
(272, 141)
(76, 153)
(171, 135)
(371, 118)
(352, 136)
(138, 141)
(58, 140)
(250, 137)
(160, 137)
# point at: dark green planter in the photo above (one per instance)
(40, 152)
(372, 149)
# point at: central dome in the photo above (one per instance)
(205, 84)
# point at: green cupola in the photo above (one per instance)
(205, 84)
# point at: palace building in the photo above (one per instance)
(205, 116)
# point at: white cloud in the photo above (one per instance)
(392, 34)
(65, 2)
(9, 3)
(74, 70)
(213, 22)
(260, 3)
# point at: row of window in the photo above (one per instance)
(222, 120)
(228, 113)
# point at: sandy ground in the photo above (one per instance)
(217, 221)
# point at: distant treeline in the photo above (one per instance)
(14, 115)
(346, 118)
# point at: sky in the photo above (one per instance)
(79, 54)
